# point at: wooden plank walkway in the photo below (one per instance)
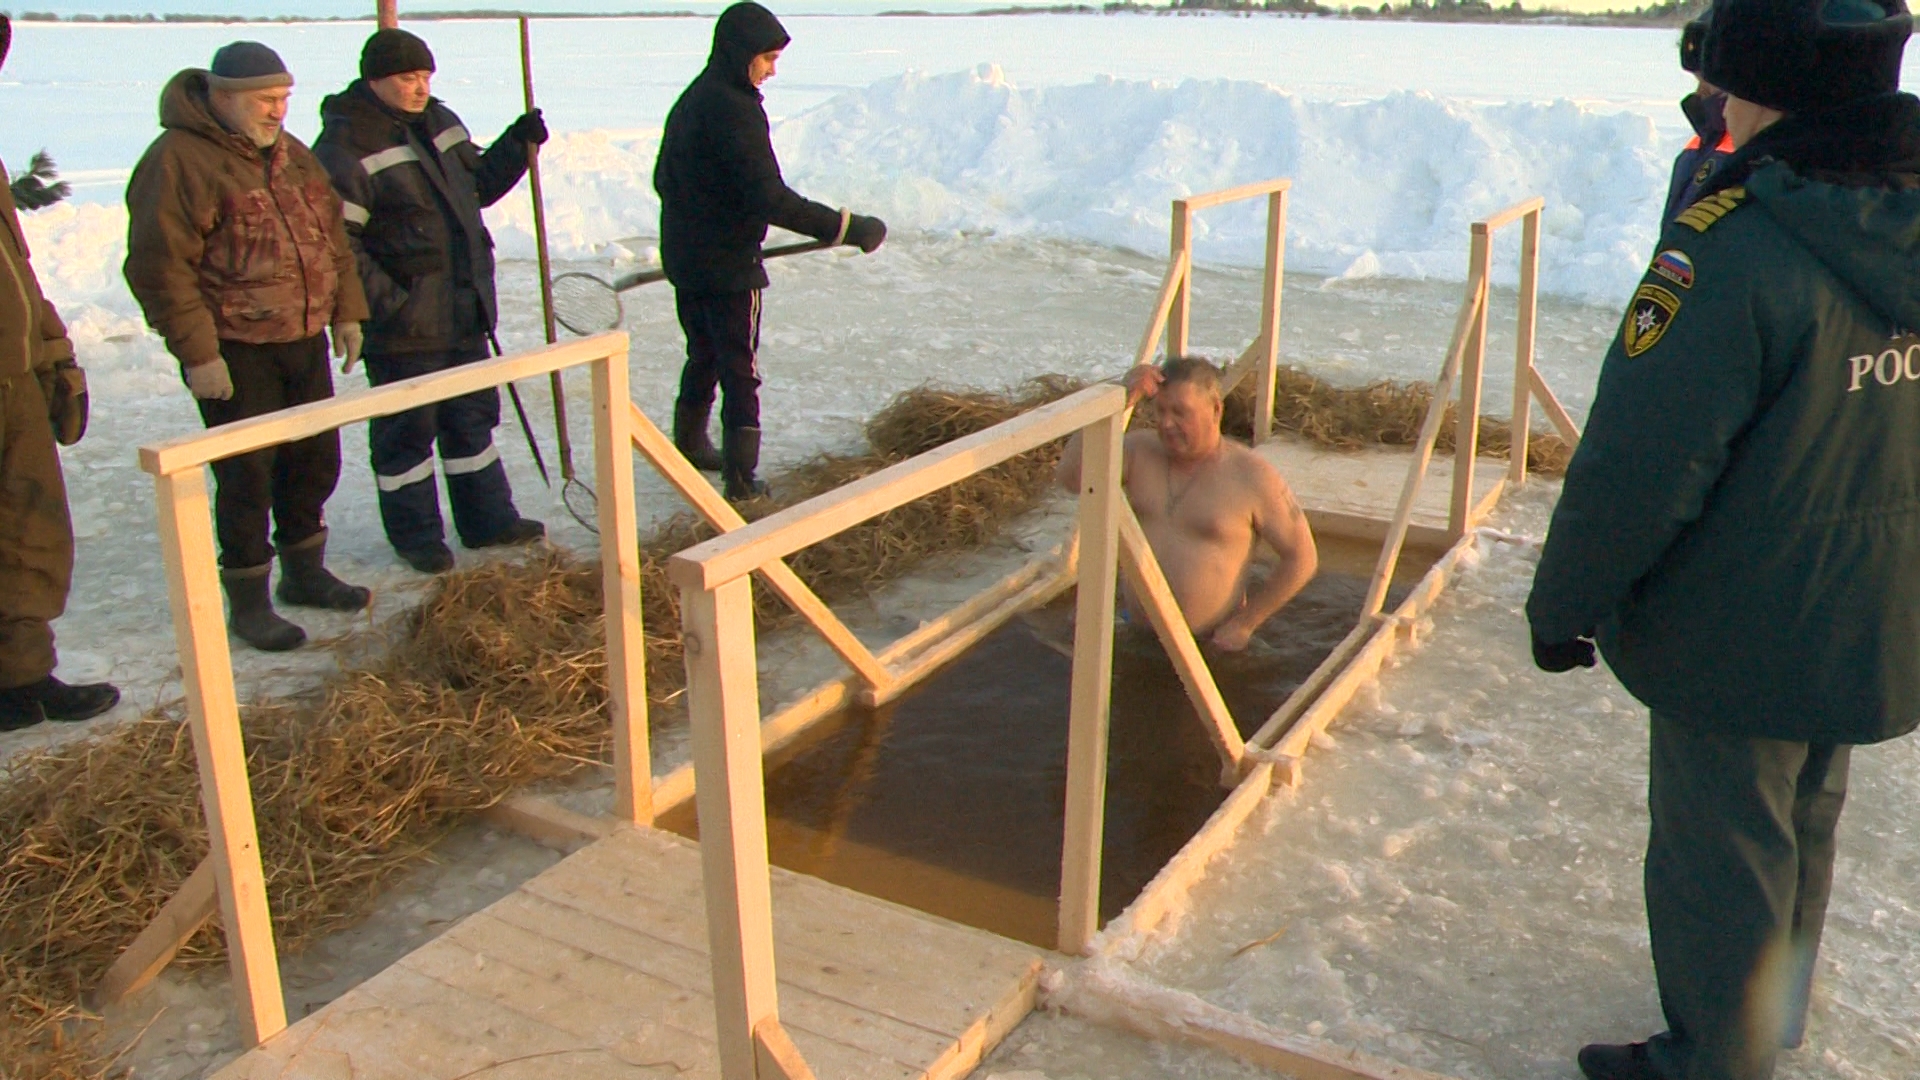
(598, 968)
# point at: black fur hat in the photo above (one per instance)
(1802, 55)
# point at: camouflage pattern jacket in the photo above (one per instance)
(229, 242)
(32, 337)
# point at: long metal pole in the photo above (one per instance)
(546, 275)
(388, 12)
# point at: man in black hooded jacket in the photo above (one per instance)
(1740, 527)
(414, 184)
(720, 187)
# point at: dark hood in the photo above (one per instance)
(743, 32)
(1845, 184)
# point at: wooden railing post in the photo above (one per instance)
(1266, 369)
(1182, 244)
(1466, 437)
(1523, 349)
(620, 583)
(1092, 683)
(206, 674)
(723, 699)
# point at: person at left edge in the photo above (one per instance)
(39, 397)
(414, 184)
(237, 255)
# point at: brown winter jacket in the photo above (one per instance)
(32, 337)
(225, 241)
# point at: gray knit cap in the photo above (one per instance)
(247, 65)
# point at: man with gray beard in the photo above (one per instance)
(237, 252)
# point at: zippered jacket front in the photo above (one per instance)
(226, 241)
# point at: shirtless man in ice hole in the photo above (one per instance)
(1204, 503)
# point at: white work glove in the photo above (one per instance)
(210, 381)
(347, 340)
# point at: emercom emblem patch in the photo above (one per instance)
(1648, 317)
(1675, 267)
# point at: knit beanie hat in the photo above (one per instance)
(247, 65)
(392, 52)
(1803, 55)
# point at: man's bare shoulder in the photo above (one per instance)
(1252, 468)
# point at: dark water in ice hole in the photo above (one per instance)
(951, 800)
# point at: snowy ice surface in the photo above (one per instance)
(1396, 135)
(1456, 885)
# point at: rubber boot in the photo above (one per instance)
(305, 581)
(250, 613)
(740, 447)
(690, 436)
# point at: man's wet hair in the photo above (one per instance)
(1193, 371)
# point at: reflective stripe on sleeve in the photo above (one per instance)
(422, 471)
(450, 138)
(388, 158)
(460, 466)
(355, 213)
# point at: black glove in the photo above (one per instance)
(1558, 656)
(67, 402)
(866, 233)
(529, 129)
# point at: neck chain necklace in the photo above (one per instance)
(1173, 497)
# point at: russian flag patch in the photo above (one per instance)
(1675, 267)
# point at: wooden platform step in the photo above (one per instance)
(598, 968)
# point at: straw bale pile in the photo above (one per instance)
(1383, 413)
(498, 680)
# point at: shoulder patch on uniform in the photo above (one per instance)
(1675, 266)
(1648, 317)
(1702, 215)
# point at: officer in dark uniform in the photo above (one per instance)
(1711, 145)
(1739, 527)
(414, 185)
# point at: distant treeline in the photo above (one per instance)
(1671, 13)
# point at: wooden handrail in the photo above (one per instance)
(718, 512)
(725, 558)
(1489, 225)
(1170, 287)
(303, 421)
(1470, 311)
(1235, 194)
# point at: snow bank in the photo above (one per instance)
(1386, 186)
(1382, 187)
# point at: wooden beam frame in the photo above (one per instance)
(181, 917)
(186, 539)
(1101, 503)
(666, 459)
(776, 536)
(1150, 588)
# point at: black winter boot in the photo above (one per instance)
(690, 436)
(305, 581)
(250, 613)
(740, 447)
(521, 531)
(51, 699)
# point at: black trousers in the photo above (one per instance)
(402, 449)
(723, 346)
(1739, 870)
(291, 481)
